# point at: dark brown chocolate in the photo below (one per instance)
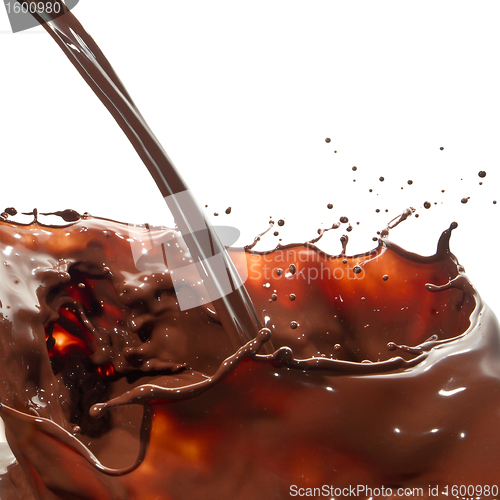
(373, 382)
(382, 372)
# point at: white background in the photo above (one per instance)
(243, 94)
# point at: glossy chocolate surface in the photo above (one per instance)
(378, 369)
(381, 382)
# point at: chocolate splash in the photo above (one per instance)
(372, 382)
(98, 337)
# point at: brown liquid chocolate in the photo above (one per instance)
(369, 371)
(110, 391)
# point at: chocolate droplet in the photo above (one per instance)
(68, 215)
(11, 211)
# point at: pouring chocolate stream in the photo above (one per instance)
(231, 301)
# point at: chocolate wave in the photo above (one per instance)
(394, 402)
